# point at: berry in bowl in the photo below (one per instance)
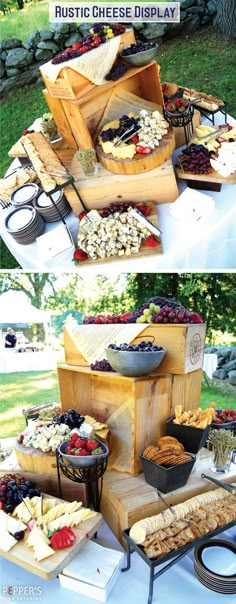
(83, 452)
(134, 360)
(139, 54)
(224, 418)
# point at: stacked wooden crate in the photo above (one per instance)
(136, 410)
(78, 105)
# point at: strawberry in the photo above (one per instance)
(139, 149)
(151, 241)
(1, 505)
(79, 255)
(97, 451)
(195, 318)
(146, 151)
(82, 452)
(135, 139)
(91, 444)
(25, 132)
(217, 420)
(76, 45)
(62, 538)
(74, 436)
(80, 443)
(146, 210)
(82, 214)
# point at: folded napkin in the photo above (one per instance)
(192, 207)
(93, 65)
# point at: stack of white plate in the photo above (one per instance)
(24, 195)
(46, 208)
(215, 565)
(24, 224)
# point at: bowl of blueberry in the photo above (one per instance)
(139, 54)
(134, 360)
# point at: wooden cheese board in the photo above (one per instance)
(212, 178)
(50, 567)
(144, 252)
(140, 163)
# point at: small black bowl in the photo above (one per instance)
(166, 479)
(192, 438)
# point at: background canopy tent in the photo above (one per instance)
(16, 310)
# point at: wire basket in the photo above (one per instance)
(178, 120)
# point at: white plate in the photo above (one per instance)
(220, 560)
(44, 201)
(24, 194)
(19, 219)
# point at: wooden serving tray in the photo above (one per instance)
(145, 251)
(49, 568)
(213, 178)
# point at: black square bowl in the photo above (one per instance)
(192, 438)
(166, 479)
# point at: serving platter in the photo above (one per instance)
(144, 251)
(212, 178)
(50, 567)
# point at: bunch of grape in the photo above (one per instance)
(146, 316)
(89, 320)
(141, 347)
(13, 487)
(117, 206)
(117, 71)
(195, 159)
(99, 34)
(134, 49)
(101, 366)
(160, 301)
(125, 123)
(170, 315)
(106, 31)
(134, 316)
(72, 419)
(108, 135)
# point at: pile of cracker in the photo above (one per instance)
(197, 418)
(44, 160)
(168, 452)
(19, 177)
(202, 514)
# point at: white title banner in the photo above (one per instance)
(122, 12)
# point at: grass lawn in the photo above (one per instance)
(21, 390)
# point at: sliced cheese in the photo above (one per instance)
(124, 151)
(6, 541)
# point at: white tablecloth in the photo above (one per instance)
(178, 585)
(11, 361)
(211, 245)
(210, 364)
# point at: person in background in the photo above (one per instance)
(10, 339)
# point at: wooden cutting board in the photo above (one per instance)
(212, 177)
(144, 250)
(49, 568)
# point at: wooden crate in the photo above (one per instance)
(72, 85)
(135, 409)
(79, 119)
(184, 344)
(100, 191)
(127, 499)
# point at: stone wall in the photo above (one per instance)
(20, 62)
(226, 362)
